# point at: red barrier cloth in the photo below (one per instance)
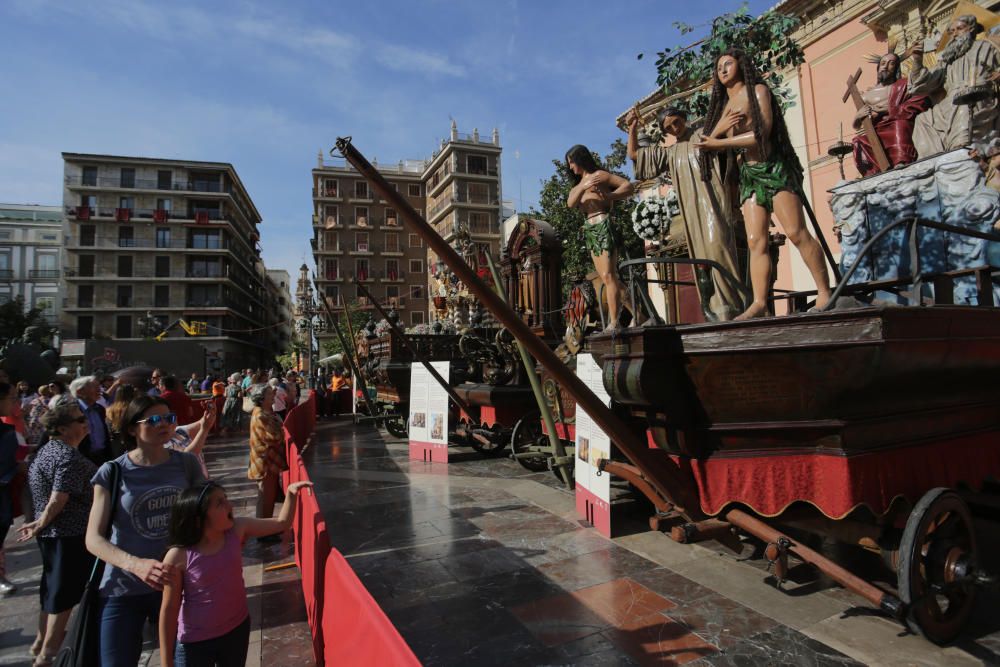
(364, 635)
(337, 605)
(836, 484)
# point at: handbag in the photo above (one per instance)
(82, 645)
(248, 405)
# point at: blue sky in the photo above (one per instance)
(265, 85)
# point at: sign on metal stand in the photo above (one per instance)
(428, 419)
(593, 489)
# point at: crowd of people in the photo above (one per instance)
(114, 473)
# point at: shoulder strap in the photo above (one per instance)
(116, 492)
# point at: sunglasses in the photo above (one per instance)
(155, 420)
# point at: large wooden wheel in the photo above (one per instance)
(528, 432)
(397, 426)
(936, 556)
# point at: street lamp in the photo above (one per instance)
(310, 321)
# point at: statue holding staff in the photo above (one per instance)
(593, 192)
(964, 63)
(706, 206)
(745, 116)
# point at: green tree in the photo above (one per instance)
(568, 223)
(359, 318)
(14, 319)
(766, 38)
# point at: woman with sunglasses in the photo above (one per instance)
(152, 477)
(60, 489)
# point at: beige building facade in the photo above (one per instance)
(31, 257)
(153, 241)
(357, 236)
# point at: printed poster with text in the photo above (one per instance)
(593, 492)
(428, 419)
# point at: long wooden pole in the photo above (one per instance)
(355, 371)
(536, 387)
(663, 473)
(414, 351)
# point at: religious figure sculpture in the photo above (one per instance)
(706, 207)
(594, 191)
(892, 110)
(964, 62)
(744, 114)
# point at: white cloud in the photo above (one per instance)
(406, 59)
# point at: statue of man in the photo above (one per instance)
(892, 109)
(963, 62)
(706, 206)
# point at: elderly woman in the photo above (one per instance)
(267, 450)
(232, 410)
(59, 478)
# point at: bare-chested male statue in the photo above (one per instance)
(593, 193)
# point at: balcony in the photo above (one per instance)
(396, 301)
(123, 214)
(44, 274)
(126, 243)
(206, 273)
(195, 185)
(326, 193)
(475, 171)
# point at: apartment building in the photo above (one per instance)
(280, 291)
(30, 257)
(153, 241)
(357, 236)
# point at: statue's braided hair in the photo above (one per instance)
(776, 147)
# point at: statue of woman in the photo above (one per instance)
(744, 115)
(593, 192)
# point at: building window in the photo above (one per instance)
(392, 294)
(205, 268)
(89, 176)
(85, 326)
(162, 268)
(333, 294)
(331, 241)
(329, 187)
(124, 298)
(86, 265)
(361, 216)
(416, 241)
(46, 263)
(392, 242)
(161, 296)
(416, 317)
(479, 222)
(206, 240)
(164, 179)
(416, 266)
(126, 203)
(360, 189)
(413, 190)
(5, 261)
(416, 291)
(123, 326)
(5, 235)
(126, 237)
(392, 269)
(164, 204)
(85, 296)
(125, 266)
(361, 269)
(331, 269)
(127, 179)
(390, 217)
(48, 237)
(330, 216)
(479, 193)
(87, 234)
(162, 237)
(200, 296)
(476, 164)
(361, 241)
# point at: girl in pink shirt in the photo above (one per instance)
(204, 607)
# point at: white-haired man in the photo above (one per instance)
(964, 61)
(96, 446)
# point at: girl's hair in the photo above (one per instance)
(123, 396)
(187, 516)
(133, 413)
(776, 147)
(581, 156)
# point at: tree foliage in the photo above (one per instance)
(568, 223)
(14, 319)
(766, 38)
(359, 318)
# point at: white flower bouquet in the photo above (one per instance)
(650, 217)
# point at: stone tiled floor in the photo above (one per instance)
(481, 562)
(279, 632)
